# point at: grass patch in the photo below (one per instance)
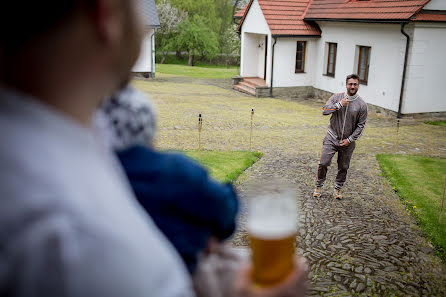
(199, 61)
(419, 182)
(198, 71)
(437, 123)
(225, 166)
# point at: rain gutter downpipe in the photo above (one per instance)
(272, 68)
(152, 42)
(400, 105)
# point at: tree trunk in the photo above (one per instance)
(178, 54)
(163, 58)
(191, 59)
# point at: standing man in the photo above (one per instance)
(348, 117)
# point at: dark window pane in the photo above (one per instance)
(300, 46)
(300, 56)
(363, 63)
(331, 59)
(298, 65)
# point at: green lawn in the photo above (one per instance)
(437, 123)
(225, 166)
(198, 71)
(419, 182)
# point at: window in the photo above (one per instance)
(331, 59)
(363, 64)
(300, 56)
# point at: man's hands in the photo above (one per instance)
(344, 142)
(344, 102)
(295, 285)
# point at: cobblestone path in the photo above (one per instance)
(357, 246)
(364, 245)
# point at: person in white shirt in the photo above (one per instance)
(69, 224)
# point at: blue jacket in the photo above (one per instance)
(184, 202)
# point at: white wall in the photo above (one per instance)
(261, 55)
(253, 56)
(436, 5)
(254, 30)
(386, 60)
(255, 20)
(285, 63)
(144, 62)
(425, 79)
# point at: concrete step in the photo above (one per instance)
(257, 81)
(245, 89)
(248, 84)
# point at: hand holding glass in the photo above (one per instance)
(272, 226)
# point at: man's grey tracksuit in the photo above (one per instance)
(345, 123)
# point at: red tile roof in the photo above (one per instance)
(285, 17)
(360, 10)
(239, 14)
(430, 16)
(291, 17)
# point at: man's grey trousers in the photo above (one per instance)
(329, 148)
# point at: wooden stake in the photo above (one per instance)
(200, 124)
(250, 134)
(396, 146)
(442, 202)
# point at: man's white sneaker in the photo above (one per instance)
(337, 194)
(317, 192)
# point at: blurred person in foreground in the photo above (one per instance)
(69, 223)
(195, 212)
(188, 206)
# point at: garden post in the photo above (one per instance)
(200, 123)
(250, 134)
(396, 146)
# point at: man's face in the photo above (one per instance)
(352, 86)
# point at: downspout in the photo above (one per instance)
(152, 45)
(272, 69)
(400, 105)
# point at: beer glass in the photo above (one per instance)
(272, 226)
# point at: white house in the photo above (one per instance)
(308, 47)
(145, 65)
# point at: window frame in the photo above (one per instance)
(303, 57)
(327, 72)
(367, 66)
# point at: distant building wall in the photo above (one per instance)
(144, 62)
(425, 79)
(386, 60)
(285, 63)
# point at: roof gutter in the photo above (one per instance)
(294, 36)
(272, 68)
(356, 21)
(400, 105)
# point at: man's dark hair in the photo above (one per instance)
(21, 22)
(354, 76)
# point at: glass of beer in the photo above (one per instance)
(272, 226)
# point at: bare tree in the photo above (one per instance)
(170, 18)
(238, 4)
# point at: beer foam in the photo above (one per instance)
(272, 217)
(272, 228)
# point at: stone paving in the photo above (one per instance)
(364, 245)
(357, 246)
